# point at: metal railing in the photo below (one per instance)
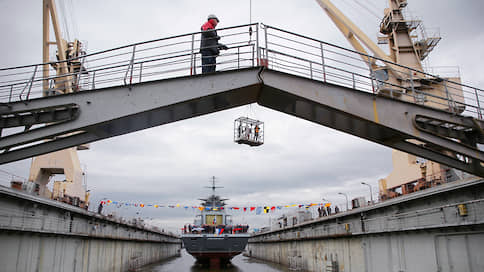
(126, 65)
(307, 57)
(249, 46)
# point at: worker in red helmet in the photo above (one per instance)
(209, 45)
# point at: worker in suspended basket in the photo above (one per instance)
(209, 45)
(256, 132)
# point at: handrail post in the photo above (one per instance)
(416, 97)
(253, 49)
(130, 67)
(311, 69)
(93, 80)
(322, 62)
(479, 113)
(256, 43)
(31, 81)
(371, 76)
(79, 74)
(10, 95)
(191, 55)
(265, 42)
(449, 97)
(238, 57)
(195, 63)
(140, 71)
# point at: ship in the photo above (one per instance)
(212, 238)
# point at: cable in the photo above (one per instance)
(64, 20)
(367, 9)
(75, 26)
(376, 10)
(250, 11)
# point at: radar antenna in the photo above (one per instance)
(213, 187)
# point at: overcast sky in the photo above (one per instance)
(300, 162)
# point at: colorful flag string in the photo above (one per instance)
(256, 209)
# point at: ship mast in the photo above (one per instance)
(213, 187)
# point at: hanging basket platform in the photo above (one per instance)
(248, 131)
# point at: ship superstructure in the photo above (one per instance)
(213, 238)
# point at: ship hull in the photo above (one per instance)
(209, 248)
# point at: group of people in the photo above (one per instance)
(326, 211)
(249, 132)
(215, 229)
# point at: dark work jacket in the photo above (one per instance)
(209, 43)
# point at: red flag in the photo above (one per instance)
(252, 208)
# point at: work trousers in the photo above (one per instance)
(208, 63)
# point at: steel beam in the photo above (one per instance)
(120, 110)
(379, 119)
(115, 111)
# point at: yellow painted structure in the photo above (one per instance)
(63, 162)
(407, 49)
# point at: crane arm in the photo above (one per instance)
(49, 10)
(356, 37)
(352, 39)
(350, 30)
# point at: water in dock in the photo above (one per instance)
(240, 263)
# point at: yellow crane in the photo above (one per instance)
(67, 62)
(409, 50)
(64, 162)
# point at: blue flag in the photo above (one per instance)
(258, 210)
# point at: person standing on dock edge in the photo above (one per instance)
(100, 208)
(209, 45)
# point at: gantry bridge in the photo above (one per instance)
(152, 83)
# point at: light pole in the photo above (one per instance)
(346, 196)
(371, 191)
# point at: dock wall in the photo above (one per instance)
(440, 229)
(38, 234)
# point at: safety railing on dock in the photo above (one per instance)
(248, 45)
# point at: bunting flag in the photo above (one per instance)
(258, 209)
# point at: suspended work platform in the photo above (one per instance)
(248, 131)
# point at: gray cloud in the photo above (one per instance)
(299, 162)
